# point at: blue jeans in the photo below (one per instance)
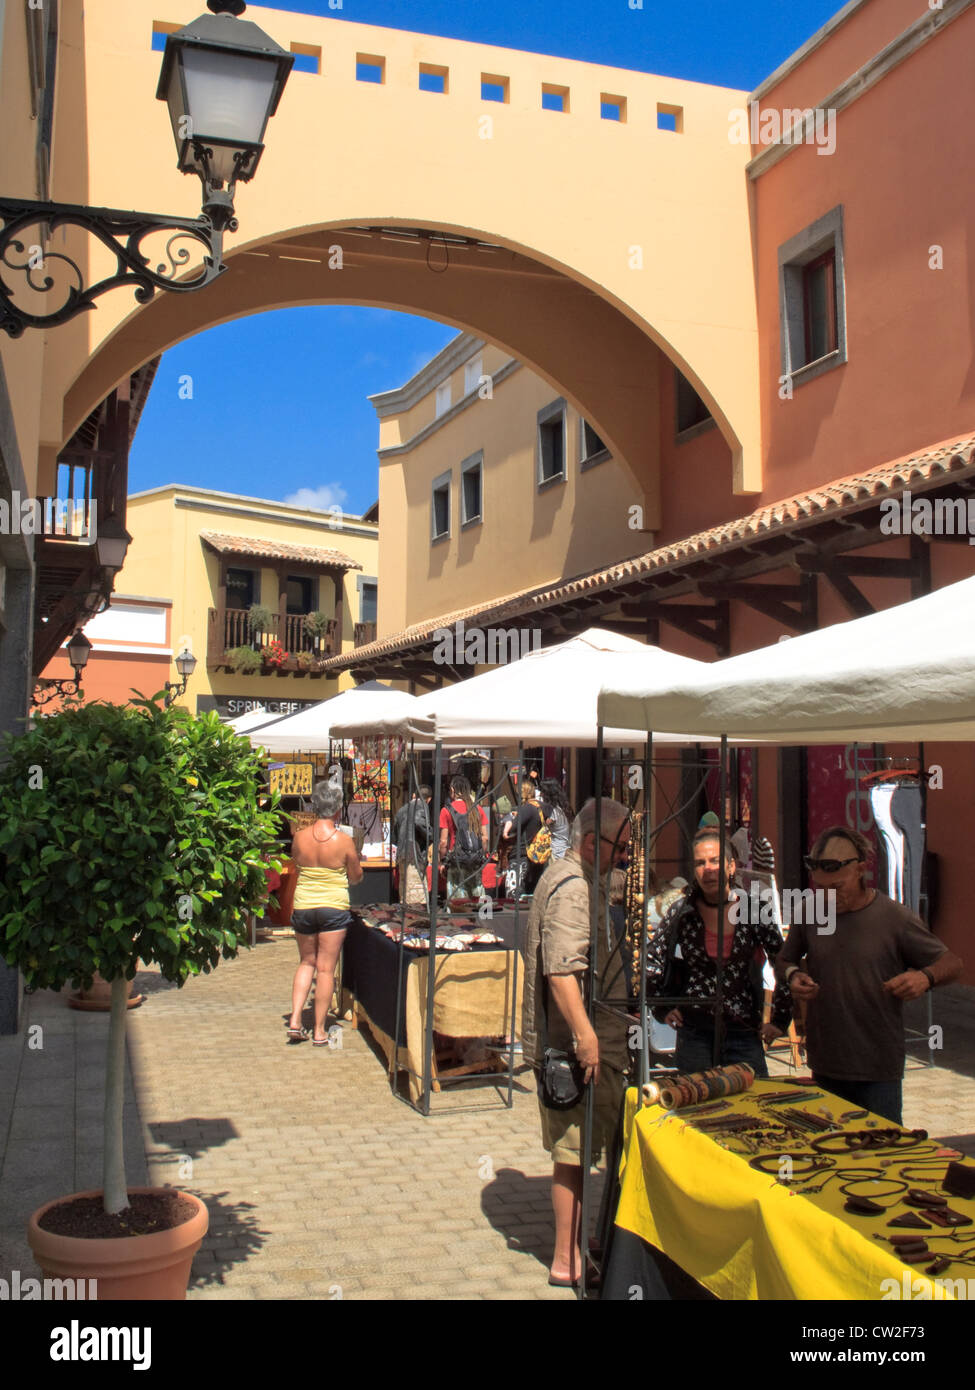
(879, 1097)
(695, 1049)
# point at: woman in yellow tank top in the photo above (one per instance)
(327, 863)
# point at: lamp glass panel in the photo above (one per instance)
(229, 94)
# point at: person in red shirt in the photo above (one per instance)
(463, 841)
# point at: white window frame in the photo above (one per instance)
(826, 234)
(474, 463)
(556, 409)
(443, 400)
(438, 484)
(473, 371)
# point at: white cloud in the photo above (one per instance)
(317, 499)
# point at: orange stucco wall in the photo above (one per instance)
(908, 381)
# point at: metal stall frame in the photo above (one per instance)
(601, 884)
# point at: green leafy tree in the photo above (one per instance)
(128, 833)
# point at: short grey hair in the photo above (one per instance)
(613, 816)
(326, 800)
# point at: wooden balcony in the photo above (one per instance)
(227, 628)
(364, 634)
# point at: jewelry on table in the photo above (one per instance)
(815, 1163)
(871, 1140)
(864, 1205)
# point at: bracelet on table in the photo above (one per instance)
(815, 1163)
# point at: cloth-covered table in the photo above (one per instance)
(743, 1235)
(472, 992)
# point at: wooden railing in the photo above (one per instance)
(230, 627)
(364, 633)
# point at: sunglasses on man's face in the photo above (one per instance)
(827, 866)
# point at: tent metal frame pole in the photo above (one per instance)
(722, 893)
(432, 953)
(647, 844)
(592, 990)
(414, 784)
(514, 956)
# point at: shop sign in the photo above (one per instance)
(230, 706)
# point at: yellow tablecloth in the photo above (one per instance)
(743, 1235)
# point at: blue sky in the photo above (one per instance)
(313, 368)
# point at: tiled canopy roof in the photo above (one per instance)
(939, 464)
(260, 549)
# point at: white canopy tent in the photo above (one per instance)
(311, 730)
(547, 697)
(253, 719)
(904, 674)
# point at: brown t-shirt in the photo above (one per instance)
(557, 943)
(855, 1029)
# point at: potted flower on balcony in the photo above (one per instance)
(127, 833)
(261, 622)
(245, 660)
(306, 661)
(318, 627)
(275, 656)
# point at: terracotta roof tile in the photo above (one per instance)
(260, 549)
(928, 467)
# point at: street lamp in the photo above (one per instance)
(222, 78)
(111, 544)
(79, 649)
(185, 665)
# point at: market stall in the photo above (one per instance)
(903, 674)
(472, 996)
(306, 739)
(716, 1192)
(548, 696)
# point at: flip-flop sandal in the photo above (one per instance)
(297, 1035)
(319, 1042)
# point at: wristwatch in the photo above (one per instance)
(790, 970)
(928, 976)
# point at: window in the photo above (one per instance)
(307, 58)
(471, 474)
(443, 399)
(472, 374)
(670, 118)
(440, 508)
(240, 588)
(493, 87)
(433, 79)
(689, 410)
(551, 442)
(369, 68)
(612, 108)
(554, 98)
(813, 300)
(819, 305)
(300, 595)
(591, 447)
(368, 600)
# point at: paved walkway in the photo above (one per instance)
(320, 1183)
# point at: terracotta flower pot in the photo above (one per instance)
(155, 1266)
(98, 999)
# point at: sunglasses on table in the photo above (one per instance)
(826, 866)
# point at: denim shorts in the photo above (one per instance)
(309, 921)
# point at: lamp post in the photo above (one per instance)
(222, 78)
(79, 649)
(185, 665)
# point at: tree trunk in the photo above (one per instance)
(115, 1189)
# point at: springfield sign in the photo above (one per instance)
(229, 706)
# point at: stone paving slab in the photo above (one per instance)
(320, 1183)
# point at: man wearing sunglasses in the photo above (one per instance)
(854, 979)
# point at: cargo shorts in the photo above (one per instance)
(562, 1129)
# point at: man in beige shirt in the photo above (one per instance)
(556, 963)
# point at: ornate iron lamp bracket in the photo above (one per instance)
(54, 273)
(47, 690)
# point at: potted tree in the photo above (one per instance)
(317, 627)
(260, 620)
(126, 833)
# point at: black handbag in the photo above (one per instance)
(561, 1084)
